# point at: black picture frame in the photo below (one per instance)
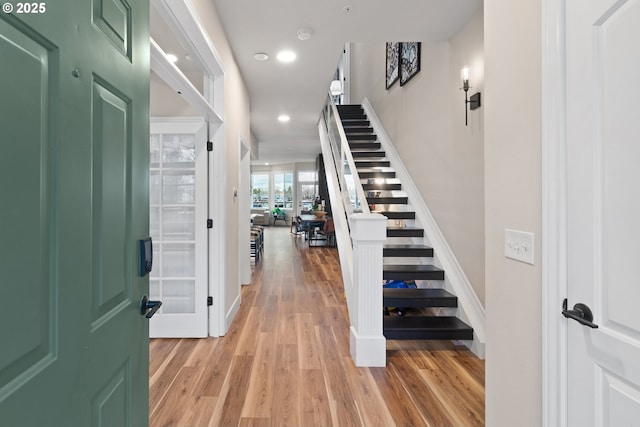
(392, 64)
(409, 61)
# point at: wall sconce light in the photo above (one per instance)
(474, 101)
(336, 88)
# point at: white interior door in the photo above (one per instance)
(178, 218)
(603, 153)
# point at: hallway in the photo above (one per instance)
(285, 360)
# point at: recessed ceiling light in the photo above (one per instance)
(304, 33)
(171, 57)
(286, 56)
(284, 118)
(260, 56)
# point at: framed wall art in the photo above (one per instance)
(409, 61)
(393, 63)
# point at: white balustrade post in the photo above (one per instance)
(368, 345)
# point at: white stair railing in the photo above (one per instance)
(360, 236)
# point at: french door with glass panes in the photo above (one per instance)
(178, 218)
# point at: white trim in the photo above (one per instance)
(172, 75)
(470, 309)
(217, 236)
(554, 216)
(233, 310)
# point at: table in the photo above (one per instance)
(308, 222)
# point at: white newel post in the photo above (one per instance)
(368, 345)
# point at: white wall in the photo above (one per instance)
(513, 200)
(425, 120)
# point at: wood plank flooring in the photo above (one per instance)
(285, 361)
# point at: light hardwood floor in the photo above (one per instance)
(285, 361)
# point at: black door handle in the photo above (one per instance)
(580, 313)
(149, 308)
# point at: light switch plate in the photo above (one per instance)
(519, 245)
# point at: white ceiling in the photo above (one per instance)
(299, 89)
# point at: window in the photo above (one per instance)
(307, 189)
(260, 190)
(283, 190)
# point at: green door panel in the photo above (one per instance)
(74, 171)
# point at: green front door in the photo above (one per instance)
(74, 96)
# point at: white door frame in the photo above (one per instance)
(554, 216)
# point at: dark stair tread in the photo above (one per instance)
(376, 174)
(381, 187)
(358, 129)
(348, 106)
(361, 136)
(397, 214)
(388, 200)
(407, 251)
(373, 163)
(405, 232)
(350, 123)
(418, 297)
(364, 145)
(413, 269)
(426, 328)
(376, 154)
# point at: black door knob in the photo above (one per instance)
(581, 313)
(149, 308)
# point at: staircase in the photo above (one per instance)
(422, 305)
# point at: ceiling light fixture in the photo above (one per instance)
(286, 56)
(284, 118)
(171, 57)
(304, 34)
(347, 8)
(260, 56)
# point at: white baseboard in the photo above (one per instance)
(231, 313)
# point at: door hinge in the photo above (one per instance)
(209, 300)
(209, 146)
(209, 223)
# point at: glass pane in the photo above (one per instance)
(154, 289)
(154, 224)
(179, 151)
(154, 187)
(259, 190)
(283, 190)
(178, 296)
(155, 151)
(288, 190)
(178, 260)
(178, 223)
(307, 196)
(178, 187)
